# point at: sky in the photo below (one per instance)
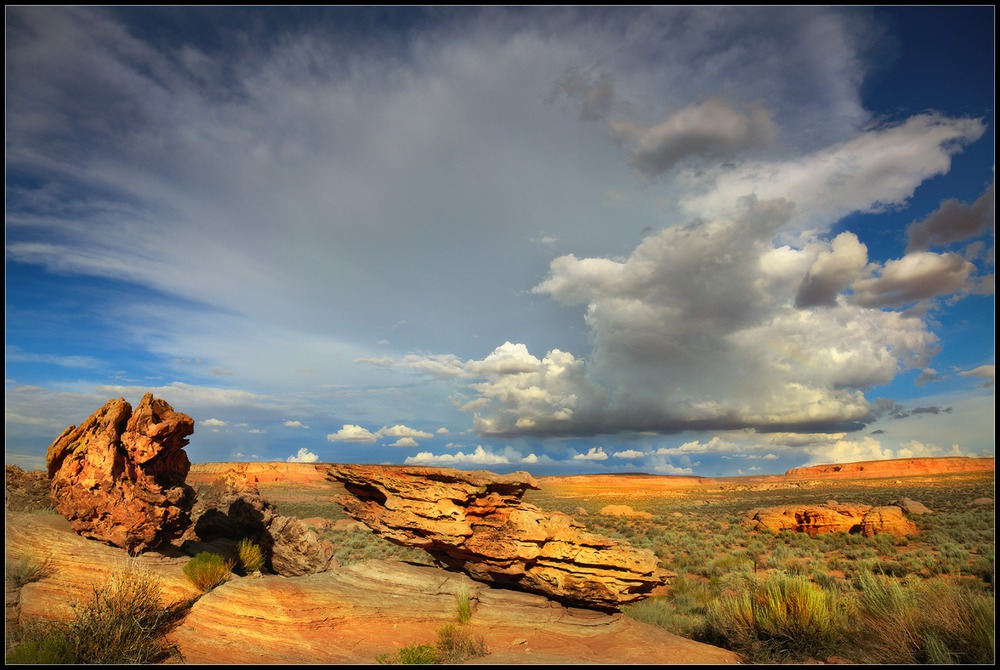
(678, 240)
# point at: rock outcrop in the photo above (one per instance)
(348, 616)
(119, 476)
(231, 509)
(266, 472)
(477, 523)
(832, 517)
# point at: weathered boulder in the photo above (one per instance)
(231, 509)
(887, 519)
(912, 506)
(477, 523)
(833, 517)
(119, 476)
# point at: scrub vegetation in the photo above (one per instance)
(791, 597)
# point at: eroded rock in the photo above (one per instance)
(832, 517)
(119, 476)
(231, 509)
(477, 523)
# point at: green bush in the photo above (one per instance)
(251, 555)
(122, 622)
(412, 654)
(777, 618)
(464, 605)
(207, 570)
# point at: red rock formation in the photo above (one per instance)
(119, 477)
(832, 517)
(476, 522)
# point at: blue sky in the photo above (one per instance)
(710, 241)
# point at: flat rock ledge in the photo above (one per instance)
(476, 522)
(356, 613)
(350, 615)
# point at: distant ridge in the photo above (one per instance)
(897, 467)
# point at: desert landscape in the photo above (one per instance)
(309, 563)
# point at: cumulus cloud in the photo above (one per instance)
(294, 424)
(407, 437)
(919, 275)
(216, 423)
(400, 430)
(629, 453)
(480, 456)
(353, 433)
(593, 454)
(304, 456)
(954, 221)
(832, 272)
(712, 129)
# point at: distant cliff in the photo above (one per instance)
(899, 467)
(278, 471)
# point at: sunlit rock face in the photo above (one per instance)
(832, 517)
(477, 523)
(120, 476)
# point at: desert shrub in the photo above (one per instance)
(412, 654)
(916, 621)
(27, 569)
(207, 570)
(122, 622)
(457, 643)
(464, 605)
(40, 643)
(782, 617)
(251, 555)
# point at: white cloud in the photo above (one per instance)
(405, 442)
(213, 422)
(400, 430)
(480, 456)
(352, 433)
(593, 454)
(917, 276)
(987, 371)
(629, 453)
(294, 424)
(442, 431)
(304, 456)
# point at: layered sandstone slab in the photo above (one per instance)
(348, 616)
(119, 476)
(833, 517)
(357, 613)
(477, 523)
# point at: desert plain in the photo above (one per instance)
(380, 599)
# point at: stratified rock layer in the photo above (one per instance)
(833, 517)
(119, 477)
(477, 523)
